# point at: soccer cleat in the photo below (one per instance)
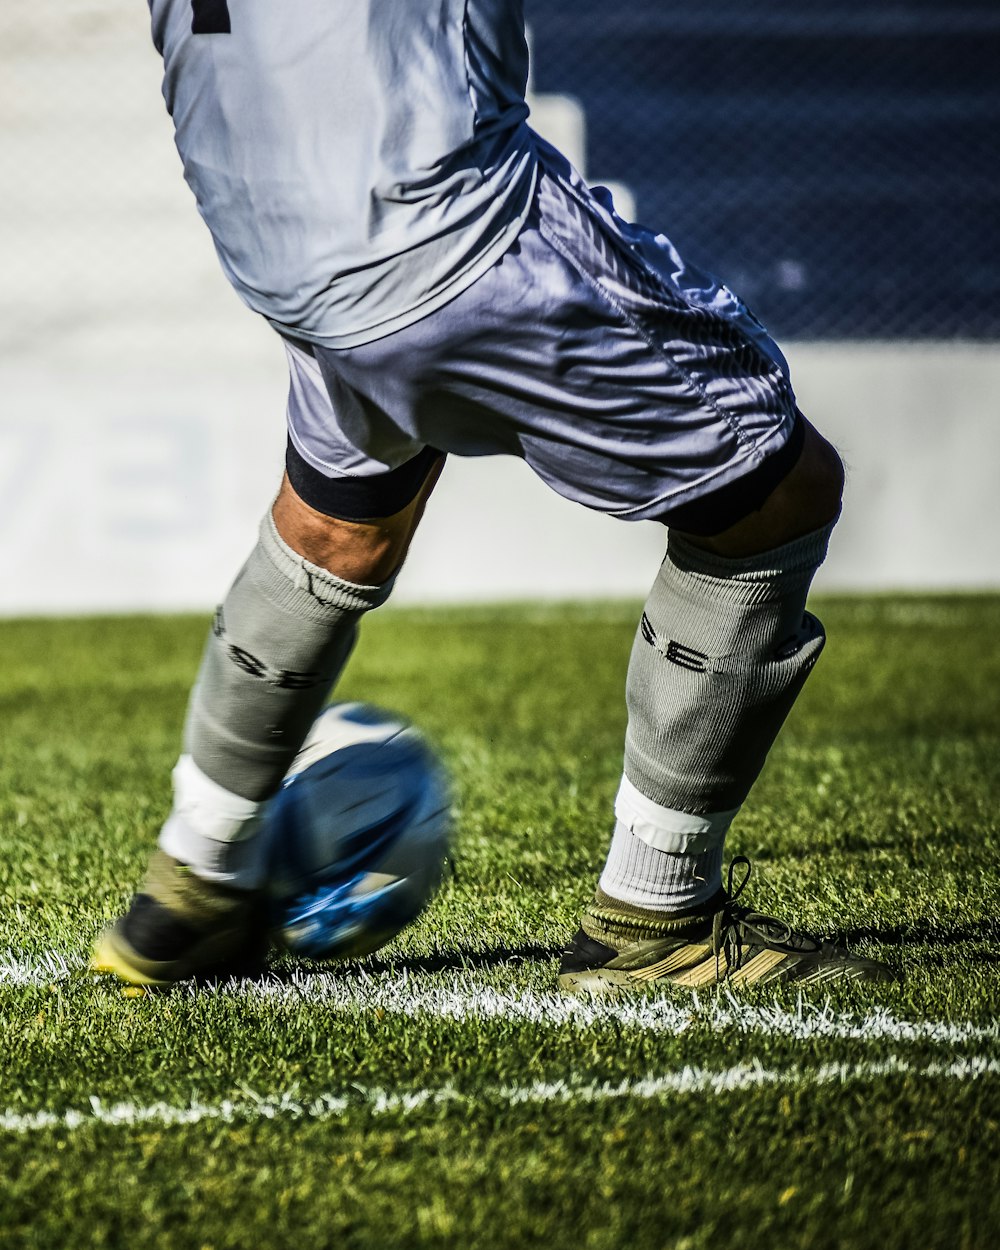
(620, 947)
(179, 926)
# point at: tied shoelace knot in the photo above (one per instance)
(737, 928)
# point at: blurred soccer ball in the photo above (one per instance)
(356, 837)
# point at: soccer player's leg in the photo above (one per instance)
(724, 646)
(277, 645)
(646, 390)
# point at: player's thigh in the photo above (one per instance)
(354, 488)
(675, 403)
(629, 381)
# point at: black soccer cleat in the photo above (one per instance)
(618, 947)
(179, 927)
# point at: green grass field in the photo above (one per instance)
(442, 1093)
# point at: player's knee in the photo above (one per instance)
(808, 498)
(819, 481)
(367, 552)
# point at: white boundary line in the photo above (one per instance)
(49, 966)
(378, 1102)
(414, 995)
(462, 999)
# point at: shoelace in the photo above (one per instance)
(734, 924)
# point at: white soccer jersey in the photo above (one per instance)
(358, 162)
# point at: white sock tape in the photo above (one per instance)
(208, 809)
(668, 829)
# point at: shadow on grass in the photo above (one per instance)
(461, 960)
(987, 930)
(471, 960)
(467, 960)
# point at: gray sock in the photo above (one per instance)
(278, 643)
(722, 650)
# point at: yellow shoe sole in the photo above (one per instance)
(219, 955)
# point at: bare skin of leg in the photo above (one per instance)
(364, 552)
(808, 498)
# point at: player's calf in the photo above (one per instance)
(277, 645)
(723, 648)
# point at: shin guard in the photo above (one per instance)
(722, 650)
(278, 643)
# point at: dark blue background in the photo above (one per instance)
(838, 164)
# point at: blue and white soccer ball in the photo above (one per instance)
(357, 835)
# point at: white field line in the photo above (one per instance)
(411, 995)
(40, 970)
(463, 1000)
(381, 1102)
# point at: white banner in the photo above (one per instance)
(124, 490)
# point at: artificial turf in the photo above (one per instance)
(441, 1093)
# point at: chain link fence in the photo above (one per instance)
(837, 162)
